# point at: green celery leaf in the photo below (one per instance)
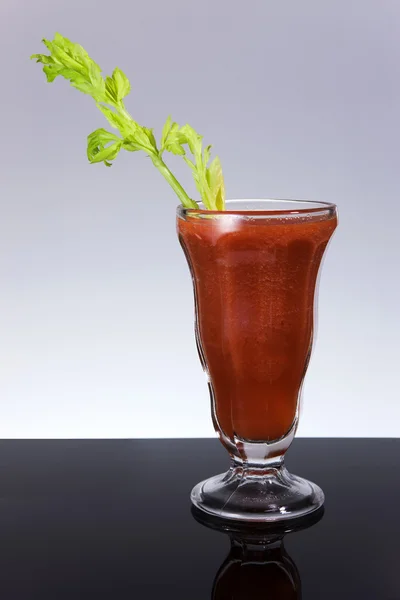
(165, 131)
(173, 140)
(116, 120)
(107, 154)
(121, 82)
(43, 58)
(72, 62)
(192, 138)
(206, 155)
(97, 149)
(149, 132)
(216, 184)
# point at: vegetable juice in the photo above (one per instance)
(254, 282)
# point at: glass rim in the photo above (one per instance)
(303, 208)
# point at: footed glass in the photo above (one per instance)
(254, 268)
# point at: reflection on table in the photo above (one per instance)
(257, 566)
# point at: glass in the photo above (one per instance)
(254, 268)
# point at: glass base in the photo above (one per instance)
(269, 495)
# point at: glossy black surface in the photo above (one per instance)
(112, 519)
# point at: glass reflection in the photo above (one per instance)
(257, 566)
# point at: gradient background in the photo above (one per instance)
(301, 99)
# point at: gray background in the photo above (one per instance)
(300, 99)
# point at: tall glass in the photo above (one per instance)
(254, 268)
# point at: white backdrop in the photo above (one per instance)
(300, 99)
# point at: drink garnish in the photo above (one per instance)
(71, 61)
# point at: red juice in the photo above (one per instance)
(254, 279)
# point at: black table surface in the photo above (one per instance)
(111, 519)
